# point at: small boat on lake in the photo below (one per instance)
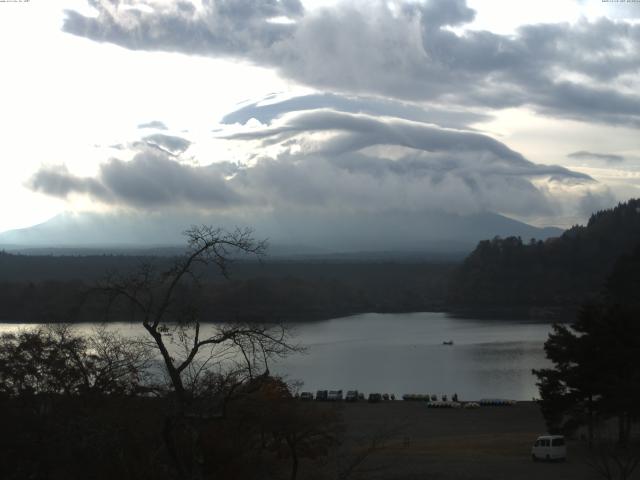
(448, 342)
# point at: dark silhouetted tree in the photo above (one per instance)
(595, 372)
(559, 272)
(166, 304)
(229, 355)
(56, 360)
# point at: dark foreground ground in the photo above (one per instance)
(417, 442)
(100, 438)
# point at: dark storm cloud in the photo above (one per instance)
(399, 50)
(156, 124)
(272, 108)
(150, 180)
(607, 157)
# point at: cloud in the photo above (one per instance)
(168, 143)
(325, 162)
(590, 202)
(400, 50)
(273, 107)
(607, 157)
(353, 132)
(358, 183)
(216, 27)
(57, 181)
(150, 180)
(618, 9)
(156, 124)
(335, 160)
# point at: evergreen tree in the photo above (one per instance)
(595, 374)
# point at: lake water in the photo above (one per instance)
(403, 353)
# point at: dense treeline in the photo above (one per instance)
(560, 272)
(54, 289)
(40, 268)
(594, 378)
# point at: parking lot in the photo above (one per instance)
(416, 442)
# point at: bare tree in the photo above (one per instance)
(213, 361)
(56, 359)
(165, 305)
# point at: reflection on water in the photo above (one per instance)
(403, 353)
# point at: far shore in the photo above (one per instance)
(525, 313)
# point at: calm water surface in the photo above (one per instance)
(403, 353)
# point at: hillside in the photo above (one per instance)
(558, 272)
(288, 234)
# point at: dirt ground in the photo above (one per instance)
(416, 442)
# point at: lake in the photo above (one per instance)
(403, 353)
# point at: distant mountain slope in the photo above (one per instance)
(319, 234)
(558, 272)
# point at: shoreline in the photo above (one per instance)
(537, 314)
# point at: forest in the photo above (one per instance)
(558, 273)
(37, 289)
(540, 278)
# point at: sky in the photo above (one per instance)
(235, 108)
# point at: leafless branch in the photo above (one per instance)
(206, 246)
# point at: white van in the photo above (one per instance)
(549, 447)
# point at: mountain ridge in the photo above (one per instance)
(294, 234)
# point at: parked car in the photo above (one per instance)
(352, 396)
(375, 397)
(437, 404)
(549, 447)
(497, 402)
(335, 396)
(411, 397)
(306, 396)
(322, 395)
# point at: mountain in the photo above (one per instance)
(345, 264)
(559, 272)
(288, 233)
